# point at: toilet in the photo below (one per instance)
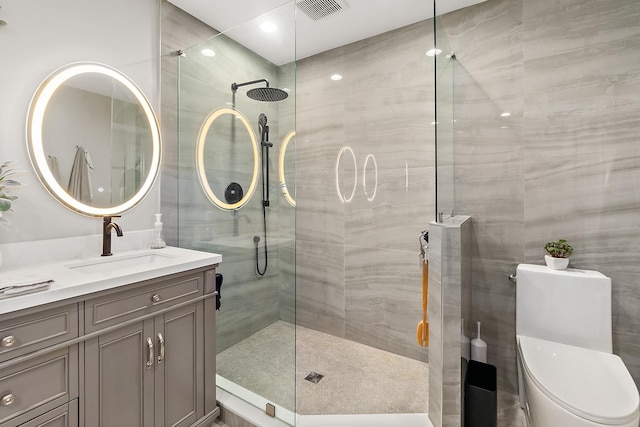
(567, 373)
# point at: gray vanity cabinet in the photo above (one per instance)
(148, 373)
(179, 373)
(119, 389)
(140, 355)
(63, 416)
(34, 380)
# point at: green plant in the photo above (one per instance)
(8, 186)
(559, 249)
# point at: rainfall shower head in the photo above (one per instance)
(264, 94)
(267, 94)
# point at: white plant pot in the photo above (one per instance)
(556, 263)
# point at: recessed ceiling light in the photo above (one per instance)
(208, 52)
(505, 114)
(336, 77)
(268, 27)
(433, 52)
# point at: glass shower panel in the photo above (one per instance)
(365, 192)
(237, 198)
(445, 119)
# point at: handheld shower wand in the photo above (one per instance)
(264, 150)
(265, 145)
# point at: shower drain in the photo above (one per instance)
(314, 377)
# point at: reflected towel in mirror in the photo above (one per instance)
(54, 166)
(80, 177)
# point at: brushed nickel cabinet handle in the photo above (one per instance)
(150, 353)
(155, 298)
(8, 341)
(161, 350)
(7, 400)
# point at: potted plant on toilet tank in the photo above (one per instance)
(558, 254)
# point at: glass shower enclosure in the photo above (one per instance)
(237, 198)
(319, 237)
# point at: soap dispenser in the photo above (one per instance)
(157, 242)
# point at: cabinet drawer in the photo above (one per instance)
(38, 385)
(118, 307)
(63, 416)
(31, 332)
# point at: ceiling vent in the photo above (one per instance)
(318, 9)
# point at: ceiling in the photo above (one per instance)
(300, 37)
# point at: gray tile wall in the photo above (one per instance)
(565, 164)
(358, 274)
(179, 31)
(192, 87)
(449, 280)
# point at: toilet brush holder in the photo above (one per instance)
(479, 348)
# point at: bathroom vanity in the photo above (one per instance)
(126, 341)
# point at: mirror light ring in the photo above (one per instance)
(35, 145)
(200, 166)
(343, 198)
(364, 177)
(283, 182)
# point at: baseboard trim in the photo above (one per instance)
(208, 420)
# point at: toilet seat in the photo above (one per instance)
(590, 384)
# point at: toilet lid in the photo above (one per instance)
(591, 384)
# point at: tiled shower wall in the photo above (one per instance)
(565, 164)
(358, 274)
(192, 87)
(449, 288)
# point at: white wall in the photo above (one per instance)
(42, 36)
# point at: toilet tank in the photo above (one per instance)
(567, 306)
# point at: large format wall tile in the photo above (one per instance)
(381, 111)
(563, 165)
(179, 30)
(319, 137)
(436, 338)
(383, 300)
(320, 287)
(581, 135)
(449, 277)
(489, 157)
(249, 302)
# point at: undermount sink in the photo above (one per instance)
(72, 268)
(108, 264)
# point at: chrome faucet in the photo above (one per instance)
(107, 227)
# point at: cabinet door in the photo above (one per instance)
(63, 416)
(119, 386)
(180, 372)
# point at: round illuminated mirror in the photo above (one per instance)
(286, 166)
(227, 158)
(93, 139)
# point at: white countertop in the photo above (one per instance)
(70, 281)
